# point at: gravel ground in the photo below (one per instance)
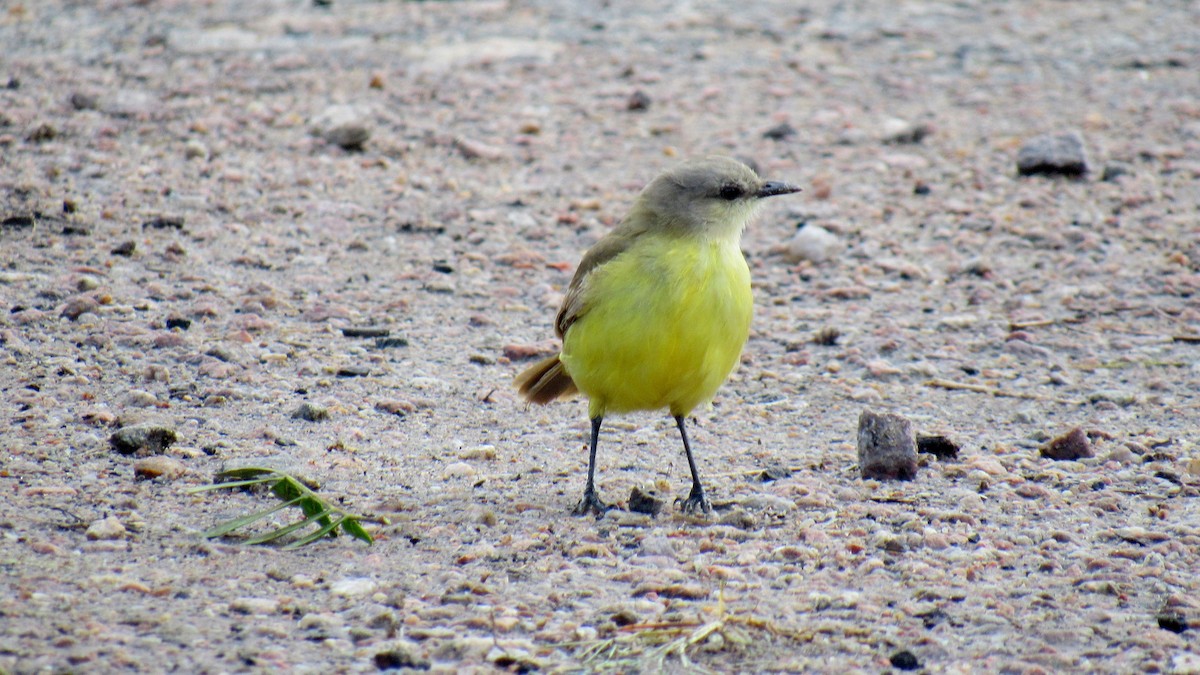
(197, 197)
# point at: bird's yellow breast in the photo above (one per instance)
(664, 325)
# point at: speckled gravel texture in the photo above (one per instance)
(183, 240)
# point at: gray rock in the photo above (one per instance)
(343, 125)
(311, 412)
(1053, 155)
(146, 439)
(887, 447)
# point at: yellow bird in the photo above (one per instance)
(659, 309)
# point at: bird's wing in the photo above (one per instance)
(575, 304)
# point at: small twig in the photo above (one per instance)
(1193, 339)
(660, 625)
(982, 389)
(1038, 323)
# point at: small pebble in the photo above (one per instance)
(775, 472)
(887, 448)
(353, 587)
(164, 223)
(366, 332)
(898, 131)
(1070, 446)
(342, 125)
(1116, 396)
(904, 660)
(780, 132)
(458, 470)
(646, 499)
(260, 606)
(311, 412)
(638, 101)
(84, 101)
(150, 468)
(473, 149)
(138, 398)
(395, 407)
(1053, 155)
(812, 243)
(1172, 620)
(78, 307)
(105, 529)
(484, 452)
(145, 439)
(42, 133)
(400, 655)
(390, 342)
(194, 149)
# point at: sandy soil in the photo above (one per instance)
(184, 240)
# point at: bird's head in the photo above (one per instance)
(712, 197)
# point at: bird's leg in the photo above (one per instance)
(696, 499)
(590, 502)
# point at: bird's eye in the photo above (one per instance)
(730, 192)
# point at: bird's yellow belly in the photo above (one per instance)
(667, 327)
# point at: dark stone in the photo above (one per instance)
(905, 660)
(780, 132)
(366, 332)
(1072, 445)
(1053, 155)
(887, 448)
(164, 223)
(645, 501)
(1172, 621)
(638, 101)
(142, 439)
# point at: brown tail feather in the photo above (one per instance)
(545, 381)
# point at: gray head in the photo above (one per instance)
(713, 197)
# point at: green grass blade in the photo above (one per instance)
(236, 523)
(281, 532)
(229, 486)
(310, 538)
(247, 472)
(352, 527)
(291, 492)
(290, 488)
(315, 509)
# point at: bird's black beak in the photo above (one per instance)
(772, 188)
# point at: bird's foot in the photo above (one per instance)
(697, 501)
(590, 504)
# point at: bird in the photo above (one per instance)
(659, 309)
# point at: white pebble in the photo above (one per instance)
(813, 243)
(458, 470)
(353, 587)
